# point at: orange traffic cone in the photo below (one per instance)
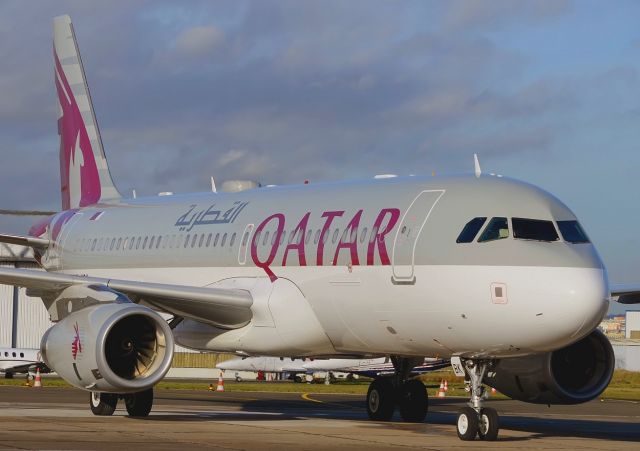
(446, 386)
(441, 393)
(220, 386)
(493, 391)
(38, 382)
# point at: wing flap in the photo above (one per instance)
(221, 307)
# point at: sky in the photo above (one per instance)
(286, 91)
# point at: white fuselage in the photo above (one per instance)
(388, 278)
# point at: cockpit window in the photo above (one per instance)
(470, 230)
(497, 229)
(572, 232)
(534, 229)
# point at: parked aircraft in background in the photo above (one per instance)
(363, 367)
(493, 273)
(266, 365)
(20, 360)
(372, 367)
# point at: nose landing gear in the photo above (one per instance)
(476, 420)
(409, 395)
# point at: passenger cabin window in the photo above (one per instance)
(470, 230)
(533, 229)
(497, 229)
(572, 232)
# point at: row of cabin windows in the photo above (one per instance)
(210, 240)
(523, 229)
(13, 354)
(154, 242)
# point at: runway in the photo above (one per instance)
(59, 418)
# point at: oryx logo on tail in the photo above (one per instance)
(84, 173)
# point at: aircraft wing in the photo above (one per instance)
(29, 241)
(626, 293)
(220, 307)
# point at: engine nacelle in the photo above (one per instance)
(572, 375)
(110, 347)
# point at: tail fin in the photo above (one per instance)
(84, 173)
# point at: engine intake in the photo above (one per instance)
(110, 347)
(572, 375)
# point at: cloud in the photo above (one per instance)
(198, 41)
(469, 14)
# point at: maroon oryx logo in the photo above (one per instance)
(76, 346)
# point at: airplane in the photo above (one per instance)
(362, 367)
(373, 368)
(265, 364)
(20, 360)
(493, 273)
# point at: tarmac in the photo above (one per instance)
(59, 418)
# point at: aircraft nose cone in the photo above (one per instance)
(589, 296)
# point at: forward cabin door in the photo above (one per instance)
(414, 221)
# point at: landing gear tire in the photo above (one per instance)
(139, 404)
(103, 404)
(413, 402)
(380, 400)
(467, 424)
(488, 424)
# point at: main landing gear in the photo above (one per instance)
(474, 419)
(409, 395)
(138, 404)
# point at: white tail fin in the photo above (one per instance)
(84, 173)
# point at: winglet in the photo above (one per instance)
(477, 165)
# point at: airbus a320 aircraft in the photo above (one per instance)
(493, 273)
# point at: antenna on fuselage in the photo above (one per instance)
(476, 164)
(213, 185)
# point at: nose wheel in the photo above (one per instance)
(476, 420)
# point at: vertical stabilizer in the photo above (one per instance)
(84, 173)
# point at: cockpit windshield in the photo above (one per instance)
(572, 232)
(523, 229)
(497, 229)
(470, 230)
(534, 229)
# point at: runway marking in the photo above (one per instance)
(306, 397)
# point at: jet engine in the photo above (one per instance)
(572, 375)
(110, 347)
